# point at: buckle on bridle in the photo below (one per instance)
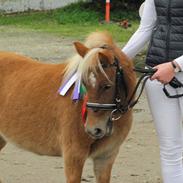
(116, 114)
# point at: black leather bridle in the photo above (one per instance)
(119, 106)
(119, 84)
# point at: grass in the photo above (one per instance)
(75, 20)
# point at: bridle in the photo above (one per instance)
(119, 107)
(119, 84)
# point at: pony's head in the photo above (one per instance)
(96, 64)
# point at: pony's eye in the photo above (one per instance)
(106, 87)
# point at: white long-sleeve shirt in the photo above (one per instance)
(144, 32)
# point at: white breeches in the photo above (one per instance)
(167, 116)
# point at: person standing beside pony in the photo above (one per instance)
(162, 25)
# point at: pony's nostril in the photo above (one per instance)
(98, 132)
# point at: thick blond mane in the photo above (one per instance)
(91, 61)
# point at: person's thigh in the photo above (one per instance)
(166, 112)
(167, 118)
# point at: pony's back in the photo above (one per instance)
(28, 102)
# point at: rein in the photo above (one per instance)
(117, 107)
(175, 83)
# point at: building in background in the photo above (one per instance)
(12, 6)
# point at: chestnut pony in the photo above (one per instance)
(35, 117)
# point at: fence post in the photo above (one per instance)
(107, 12)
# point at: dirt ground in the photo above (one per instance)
(138, 160)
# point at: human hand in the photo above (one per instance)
(164, 74)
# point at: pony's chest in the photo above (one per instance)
(104, 147)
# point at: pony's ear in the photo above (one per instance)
(104, 60)
(81, 48)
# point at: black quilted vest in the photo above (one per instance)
(167, 38)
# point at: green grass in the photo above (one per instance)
(75, 20)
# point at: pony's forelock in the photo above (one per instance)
(91, 62)
(84, 66)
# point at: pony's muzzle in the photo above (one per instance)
(96, 133)
(100, 129)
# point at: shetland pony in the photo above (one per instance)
(35, 117)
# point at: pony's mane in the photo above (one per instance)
(90, 62)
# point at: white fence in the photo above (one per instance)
(10, 6)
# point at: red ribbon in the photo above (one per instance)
(84, 109)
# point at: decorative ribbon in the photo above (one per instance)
(79, 89)
(67, 85)
(84, 109)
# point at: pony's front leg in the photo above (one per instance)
(73, 164)
(103, 166)
(2, 143)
